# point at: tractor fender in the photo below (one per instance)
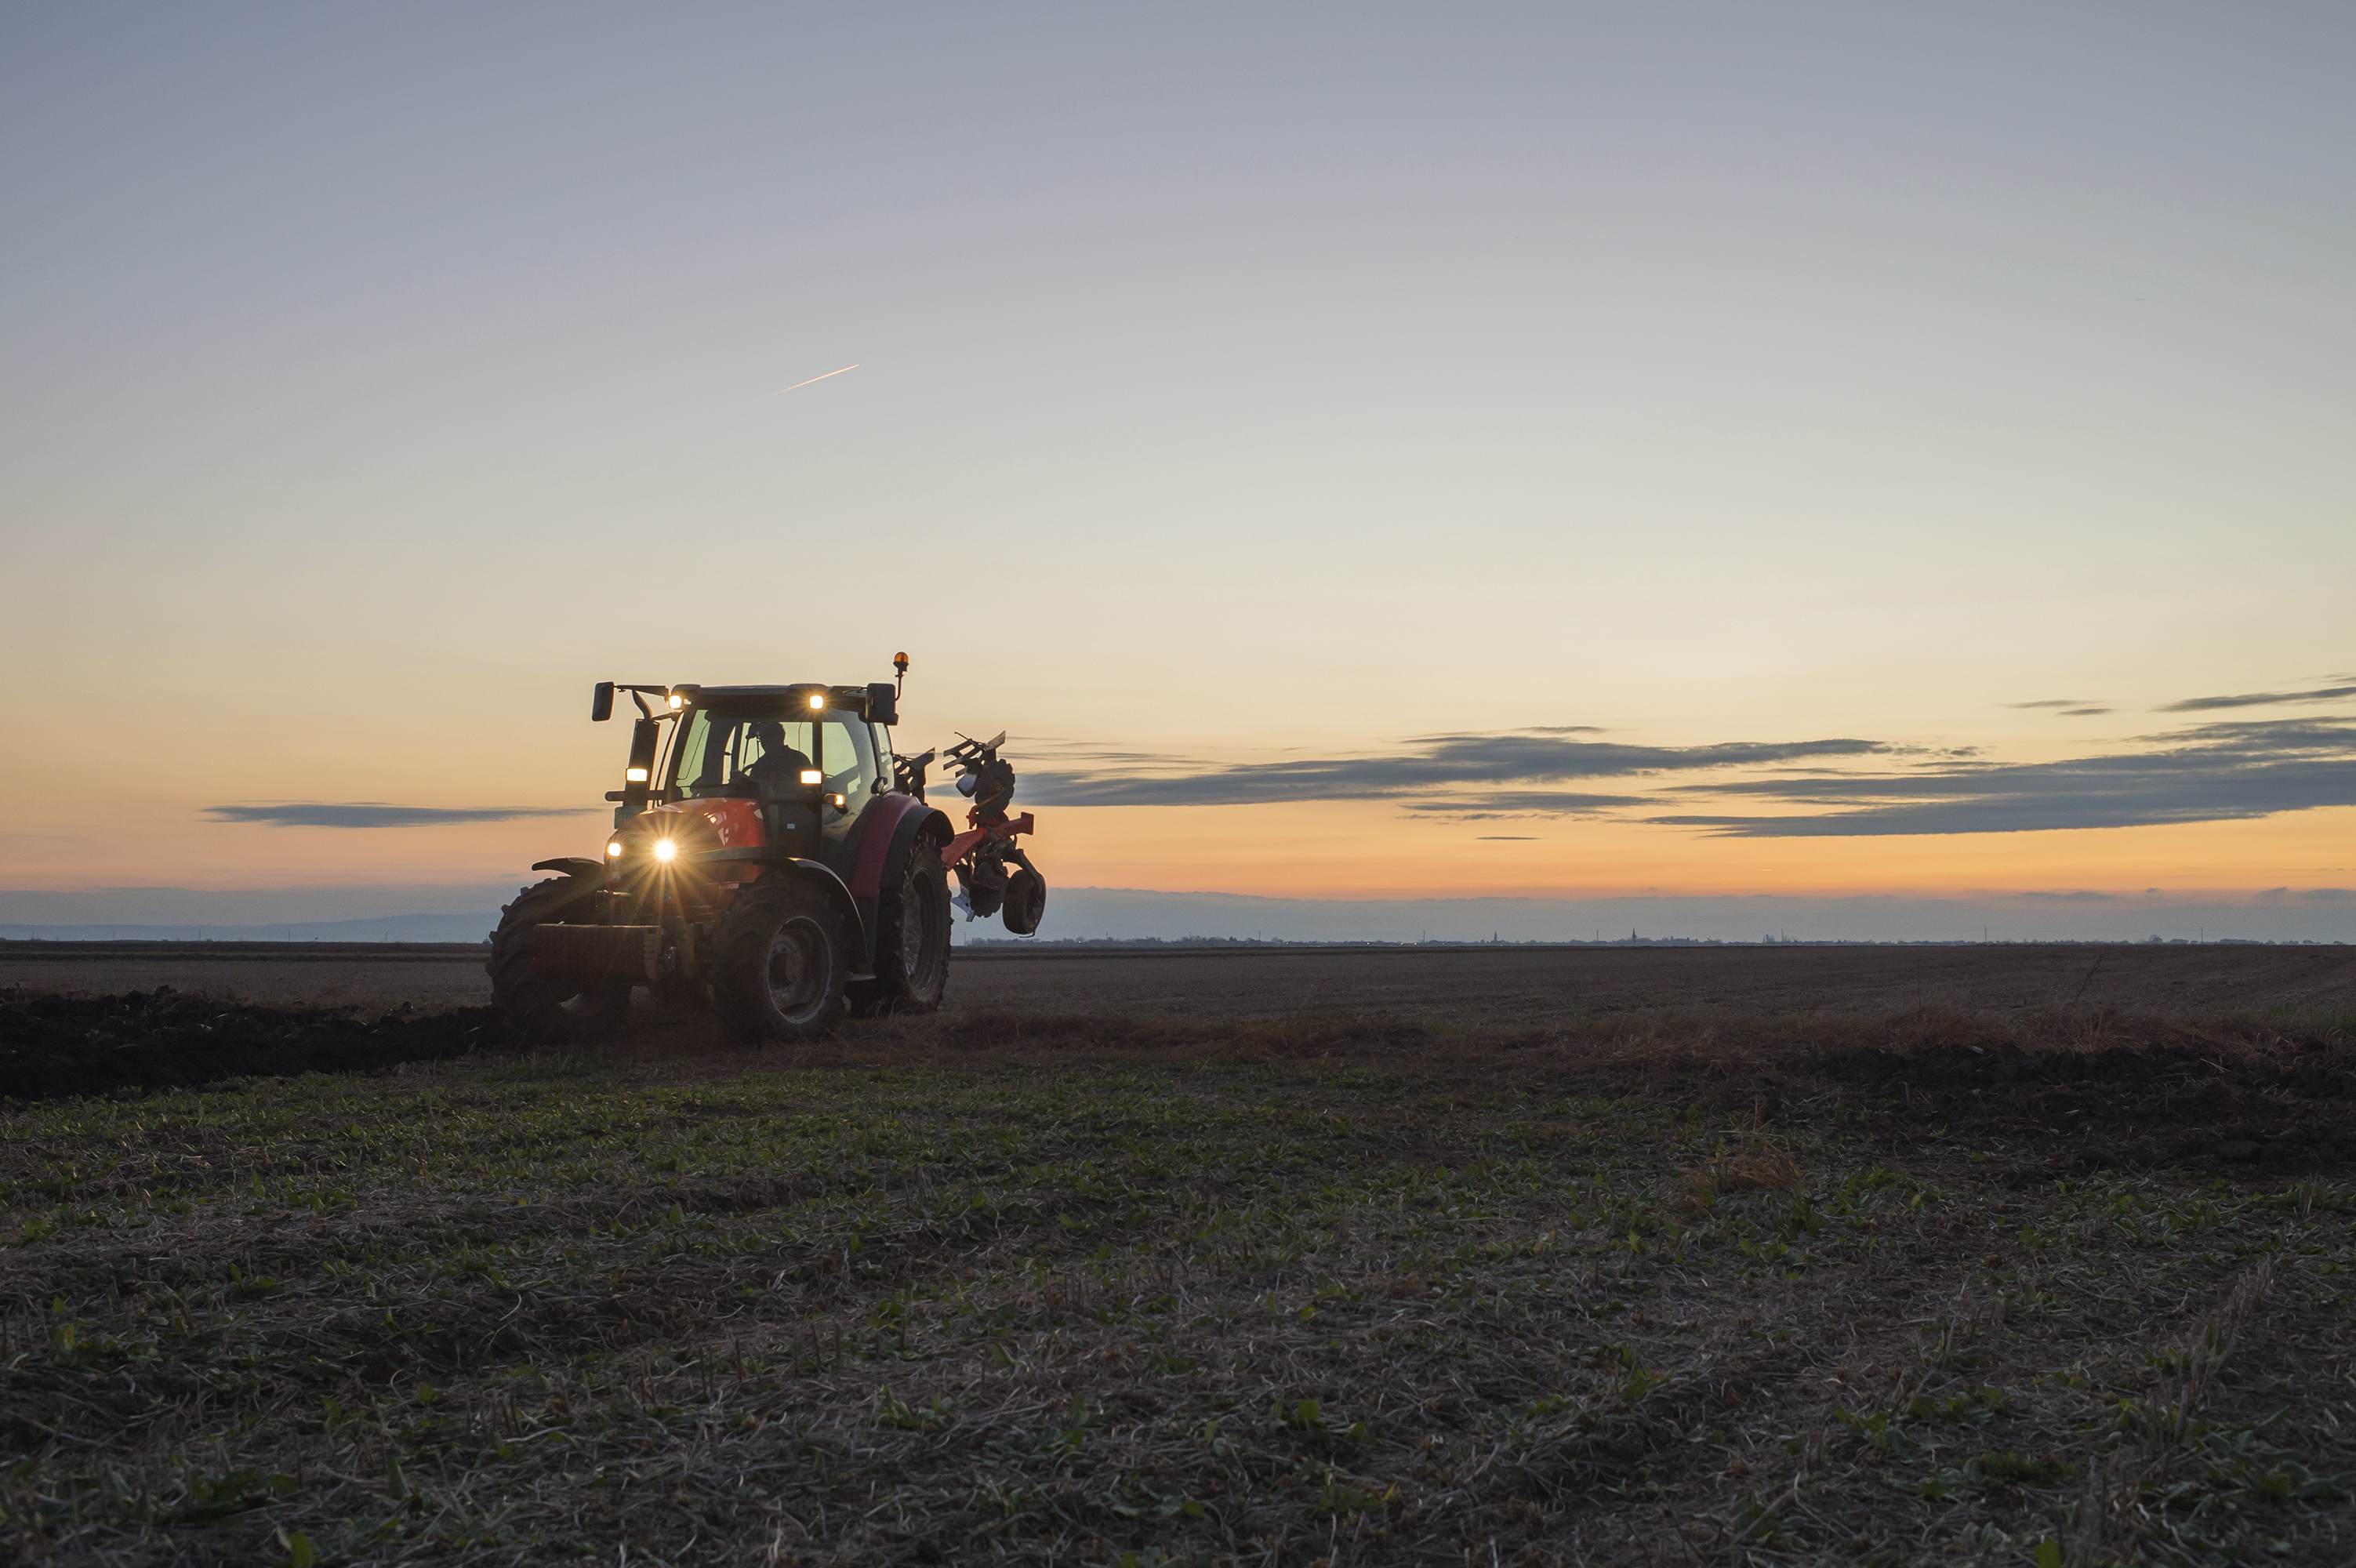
(838, 897)
(573, 866)
(891, 826)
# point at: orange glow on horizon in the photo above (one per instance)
(1313, 849)
(1369, 849)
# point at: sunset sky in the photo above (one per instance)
(1357, 453)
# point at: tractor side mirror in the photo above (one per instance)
(637, 784)
(883, 704)
(601, 703)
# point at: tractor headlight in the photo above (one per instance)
(635, 775)
(613, 851)
(812, 776)
(666, 851)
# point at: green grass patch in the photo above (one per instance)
(1203, 1311)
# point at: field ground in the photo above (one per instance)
(1835, 1256)
(1502, 987)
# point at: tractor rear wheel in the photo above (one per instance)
(529, 1003)
(778, 962)
(912, 943)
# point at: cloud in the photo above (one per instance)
(1446, 763)
(2325, 735)
(1506, 838)
(376, 814)
(1523, 803)
(2258, 699)
(2221, 770)
(1091, 751)
(2068, 707)
(2216, 772)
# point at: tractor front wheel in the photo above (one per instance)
(527, 1003)
(778, 962)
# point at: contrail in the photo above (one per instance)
(782, 391)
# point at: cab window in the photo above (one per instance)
(726, 754)
(847, 754)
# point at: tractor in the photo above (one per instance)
(772, 859)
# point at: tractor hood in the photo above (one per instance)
(668, 840)
(719, 823)
(658, 855)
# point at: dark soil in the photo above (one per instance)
(1467, 988)
(55, 1046)
(2278, 1105)
(2063, 1090)
(2150, 1092)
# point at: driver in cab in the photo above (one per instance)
(779, 766)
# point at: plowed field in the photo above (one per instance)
(1434, 984)
(1814, 1256)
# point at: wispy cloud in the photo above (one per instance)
(1447, 763)
(1521, 803)
(1063, 752)
(376, 814)
(2068, 707)
(2258, 700)
(2216, 772)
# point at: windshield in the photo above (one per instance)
(724, 753)
(848, 749)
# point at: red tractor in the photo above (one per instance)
(772, 858)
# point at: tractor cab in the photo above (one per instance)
(807, 756)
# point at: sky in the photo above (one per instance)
(1357, 453)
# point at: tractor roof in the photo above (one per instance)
(796, 696)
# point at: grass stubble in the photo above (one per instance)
(981, 1288)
